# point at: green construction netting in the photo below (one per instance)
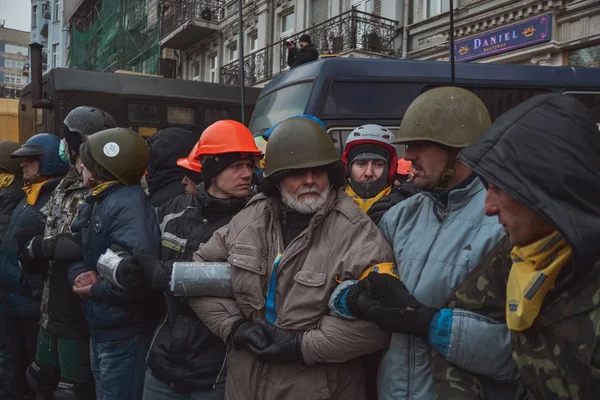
(121, 37)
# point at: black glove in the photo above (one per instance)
(64, 247)
(286, 346)
(352, 298)
(135, 273)
(388, 303)
(382, 205)
(245, 334)
(25, 236)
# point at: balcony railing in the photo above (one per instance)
(352, 30)
(203, 10)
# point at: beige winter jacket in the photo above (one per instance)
(339, 244)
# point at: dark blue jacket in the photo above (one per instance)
(24, 216)
(123, 216)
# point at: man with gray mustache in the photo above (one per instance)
(289, 249)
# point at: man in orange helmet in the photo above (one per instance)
(185, 359)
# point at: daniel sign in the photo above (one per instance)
(526, 33)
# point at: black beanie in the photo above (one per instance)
(305, 38)
(214, 165)
(369, 148)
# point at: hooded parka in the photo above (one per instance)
(544, 154)
(339, 244)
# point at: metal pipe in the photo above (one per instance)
(452, 41)
(405, 29)
(241, 61)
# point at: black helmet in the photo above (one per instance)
(83, 122)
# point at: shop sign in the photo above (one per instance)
(526, 33)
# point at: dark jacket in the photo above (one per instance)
(298, 56)
(544, 154)
(164, 175)
(184, 353)
(24, 216)
(9, 198)
(122, 216)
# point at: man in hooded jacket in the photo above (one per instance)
(541, 167)
(166, 180)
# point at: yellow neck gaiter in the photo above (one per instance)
(534, 270)
(365, 204)
(102, 187)
(6, 179)
(32, 192)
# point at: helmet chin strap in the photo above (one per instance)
(448, 172)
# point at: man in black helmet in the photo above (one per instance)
(62, 362)
(306, 53)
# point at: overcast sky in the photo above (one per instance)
(16, 13)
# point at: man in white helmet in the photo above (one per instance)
(371, 164)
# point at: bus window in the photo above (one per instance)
(592, 101)
(498, 100)
(142, 112)
(212, 115)
(370, 99)
(180, 115)
(340, 134)
(280, 105)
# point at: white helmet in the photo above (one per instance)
(371, 133)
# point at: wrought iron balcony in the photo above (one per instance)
(187, 21)
(352, 30)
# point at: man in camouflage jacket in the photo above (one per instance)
(541, 166)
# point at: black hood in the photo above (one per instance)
(545, 153)
(166, 147)
(214, 208)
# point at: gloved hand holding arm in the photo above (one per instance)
(283, 346)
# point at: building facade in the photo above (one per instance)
(14, 62)
(202, 38)
(49, 29)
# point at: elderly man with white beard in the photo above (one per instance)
(289, 249)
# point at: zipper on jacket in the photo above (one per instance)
(155, 335)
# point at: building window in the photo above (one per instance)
(436, 7)
(287, 24)
(214, 65)
(196, 71)
(253, 42)
(56, 11)
(55, 56)
(232, 52)
(12, 49)
(33, 16)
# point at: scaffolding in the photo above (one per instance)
(116, 34)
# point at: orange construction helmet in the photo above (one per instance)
(222, 137)
(404, 167)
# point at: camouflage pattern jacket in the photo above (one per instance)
(61, 308)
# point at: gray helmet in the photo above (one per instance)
(88, 120)
(450, 116)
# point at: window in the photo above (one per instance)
(180, 115)
(57, 16)
(436, 7)
(232, 52)
(214, 65)
(9, 63)
(12, 49)
(14, 78)
(365, 6)
(142, 112)
(287, 24)
(196, 71)
(55, 56)
(344, 100)
(212, 115)
(33, 16)
(253, 42)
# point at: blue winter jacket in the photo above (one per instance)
(123, 216)
(435, 247)
(26, 290)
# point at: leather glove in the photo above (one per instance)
(25, 236)
(381, 206)
(245, 334)
(286, 346)
(352, 298)
(135, 273)
(388, 303)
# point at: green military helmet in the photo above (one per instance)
(122, 152)
(450, 116)
(298, 143)
(12, 165)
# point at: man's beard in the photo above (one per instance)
(305, 205)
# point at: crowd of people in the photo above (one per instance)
(234, 267)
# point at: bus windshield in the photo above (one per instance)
(280, 105)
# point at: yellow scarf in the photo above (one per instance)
(6, 179)
(534, 270)
(365, 204)
(32, 191)
(102, 187)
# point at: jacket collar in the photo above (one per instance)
(459, 196)
(214, 208)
